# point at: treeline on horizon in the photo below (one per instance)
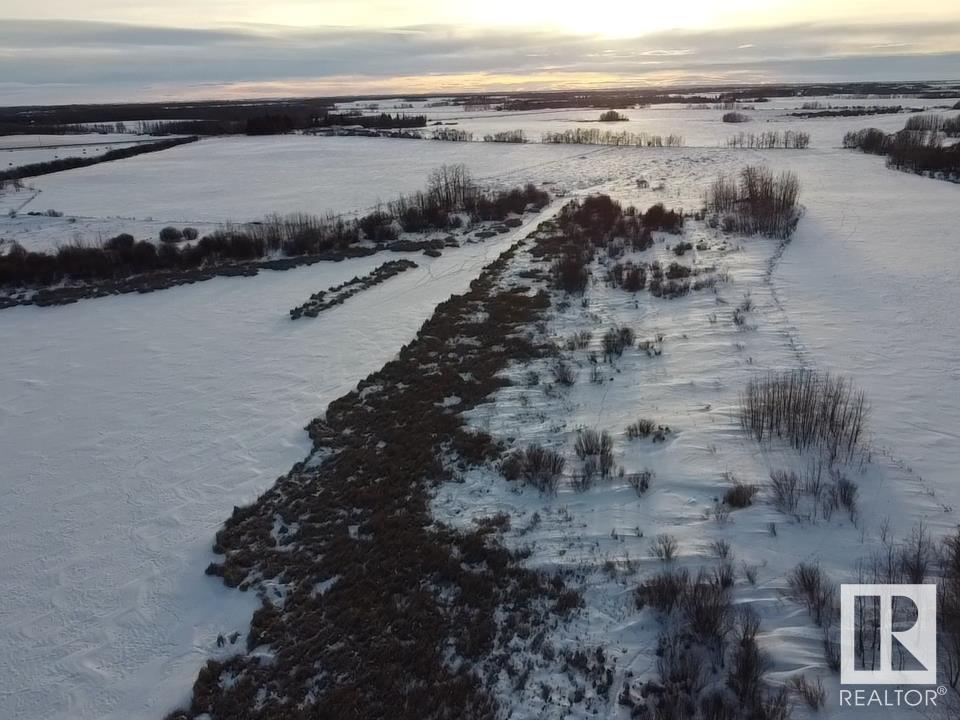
(56, 119)
(450, 194)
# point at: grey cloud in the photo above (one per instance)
(58, 55)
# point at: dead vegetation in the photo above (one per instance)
(756, 202)
(808, 409)
(406, 592)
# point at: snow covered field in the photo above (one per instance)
(16, 150)
(131, 426)
(870, 288)
(244, 178)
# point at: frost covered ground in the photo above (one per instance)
(131, 426)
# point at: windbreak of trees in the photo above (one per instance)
(818, 110)
(769, 140)
(122, 256)
(382, 121)
(506, 136)
(450, 193)
(595, 136)
(914, 150)
(451, 135)
(188, 127)
(52, 166)
(756, 201)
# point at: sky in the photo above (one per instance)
(65, 51)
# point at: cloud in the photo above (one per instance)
(67, 61)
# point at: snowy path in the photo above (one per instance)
(131, 426)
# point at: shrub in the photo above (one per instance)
(748, 663)
(640, 481)
(785, 490)
(740, 495)
(664, 590)
(812, 693)
(580, 340)
(809, 409)
(664, 547)
(190, 233)
(810, 585)
(735, 117)
(641, 428)
(612, 116)
(563, 373)
(708, 611)
(536, 466)
(569, 271)
(171, 234)
(590, 443)
(616, 340)
(657, 217)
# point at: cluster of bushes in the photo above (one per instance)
(808, 409)
(594, 136)
(595, 450)
(756, 202)
(771, 139)
(382, 121)
(52, 166)
(917, 148)
(706, 636)
(612, 116)
(616, 340)
(535, 465)
(451, 135)
(629, 276)
(506, 136)
(600, 221)
(735, 117)
(451, 190)
(171, 234)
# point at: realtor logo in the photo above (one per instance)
(919, 640)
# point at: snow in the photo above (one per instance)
(131, 426)
(604, 534)
(244, 178)
(870, 287)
